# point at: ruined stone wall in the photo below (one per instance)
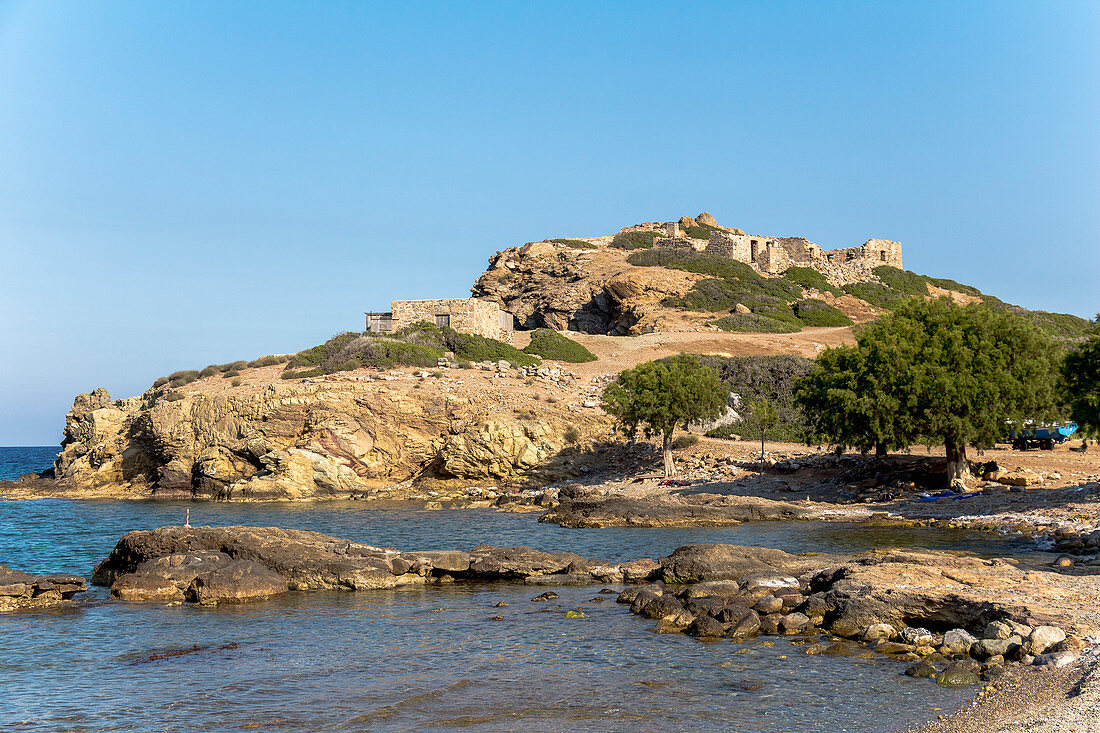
(878, 252)
(466, 315)
(680, 243)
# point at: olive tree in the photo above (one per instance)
(658, 396)
(1081, 371)
(934, 371)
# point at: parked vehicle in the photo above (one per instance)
(1040, 435)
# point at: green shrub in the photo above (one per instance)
(160, 382)
(209, 371)
(876, 294)
(692, 261)
(235, 382)
(234, 366)
(771, 377)
(757, 323)
(230, 374)
(324, 352)
(550, 344)
(574, 243)
(178, 379)
(701, 231)
(173, 397)
(809, 278)
(684, 441)
(266, 361)
(635, 240)
(815, 312)
(436, 374)
(463, 364)
(302, 374)
(472, 347)
(571, 435)
(942, 282)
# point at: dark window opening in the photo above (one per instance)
(443, 321)
(882, 254)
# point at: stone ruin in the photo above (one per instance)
(466, 315)
(775, 255)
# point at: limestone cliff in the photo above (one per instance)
(337, 437)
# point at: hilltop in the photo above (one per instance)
(694, 274)
(426, 411)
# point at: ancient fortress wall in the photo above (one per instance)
(777, 254)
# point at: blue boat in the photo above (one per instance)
(1042, 436)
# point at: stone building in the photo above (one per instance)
(466, 315)
(775, 254)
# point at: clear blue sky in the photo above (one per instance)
(188, 183)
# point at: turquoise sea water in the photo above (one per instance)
(427, 658)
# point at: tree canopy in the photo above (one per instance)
(933, 371)
(658, 396)
(1081, 371)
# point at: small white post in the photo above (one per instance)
(187, 520)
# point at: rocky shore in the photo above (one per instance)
(21, 591)
(954, 618)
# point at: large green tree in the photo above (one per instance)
(934, 371)
(658, 396)
(1081, 371)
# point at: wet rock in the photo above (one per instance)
(21, 591)
(747, 625)
(921, 669)
(642, 599)
(628, 595)
(663, 607)
(695, 563)
(770, 624)
(955, 677)
(547, 596)
(236, 582)
(992, 672)
(705, 627)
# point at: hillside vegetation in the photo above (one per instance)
(777, 304)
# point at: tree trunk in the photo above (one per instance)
(670, 467)
(761, 451)
(880, 450)
(957, 465)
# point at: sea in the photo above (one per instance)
(424, 658)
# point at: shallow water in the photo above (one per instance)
(426, 658)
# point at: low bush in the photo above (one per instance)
(813, 312)
(701, 231)
(173, 397)
(180, 378)
(234, 366)
(809, 278)
(209, 371)
(574, 243)
(571, 434)
(160, 382)
(692, 261)
(757, 323)
(684, 441)
(270, 360)
(550, 344)
(472, 347)
(230, 374)
(635, 240)
(235, 382)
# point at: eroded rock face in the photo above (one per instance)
(23, 591)
(297, 441)
(547, 285)
(694, 563)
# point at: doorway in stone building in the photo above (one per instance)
(443, 320)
